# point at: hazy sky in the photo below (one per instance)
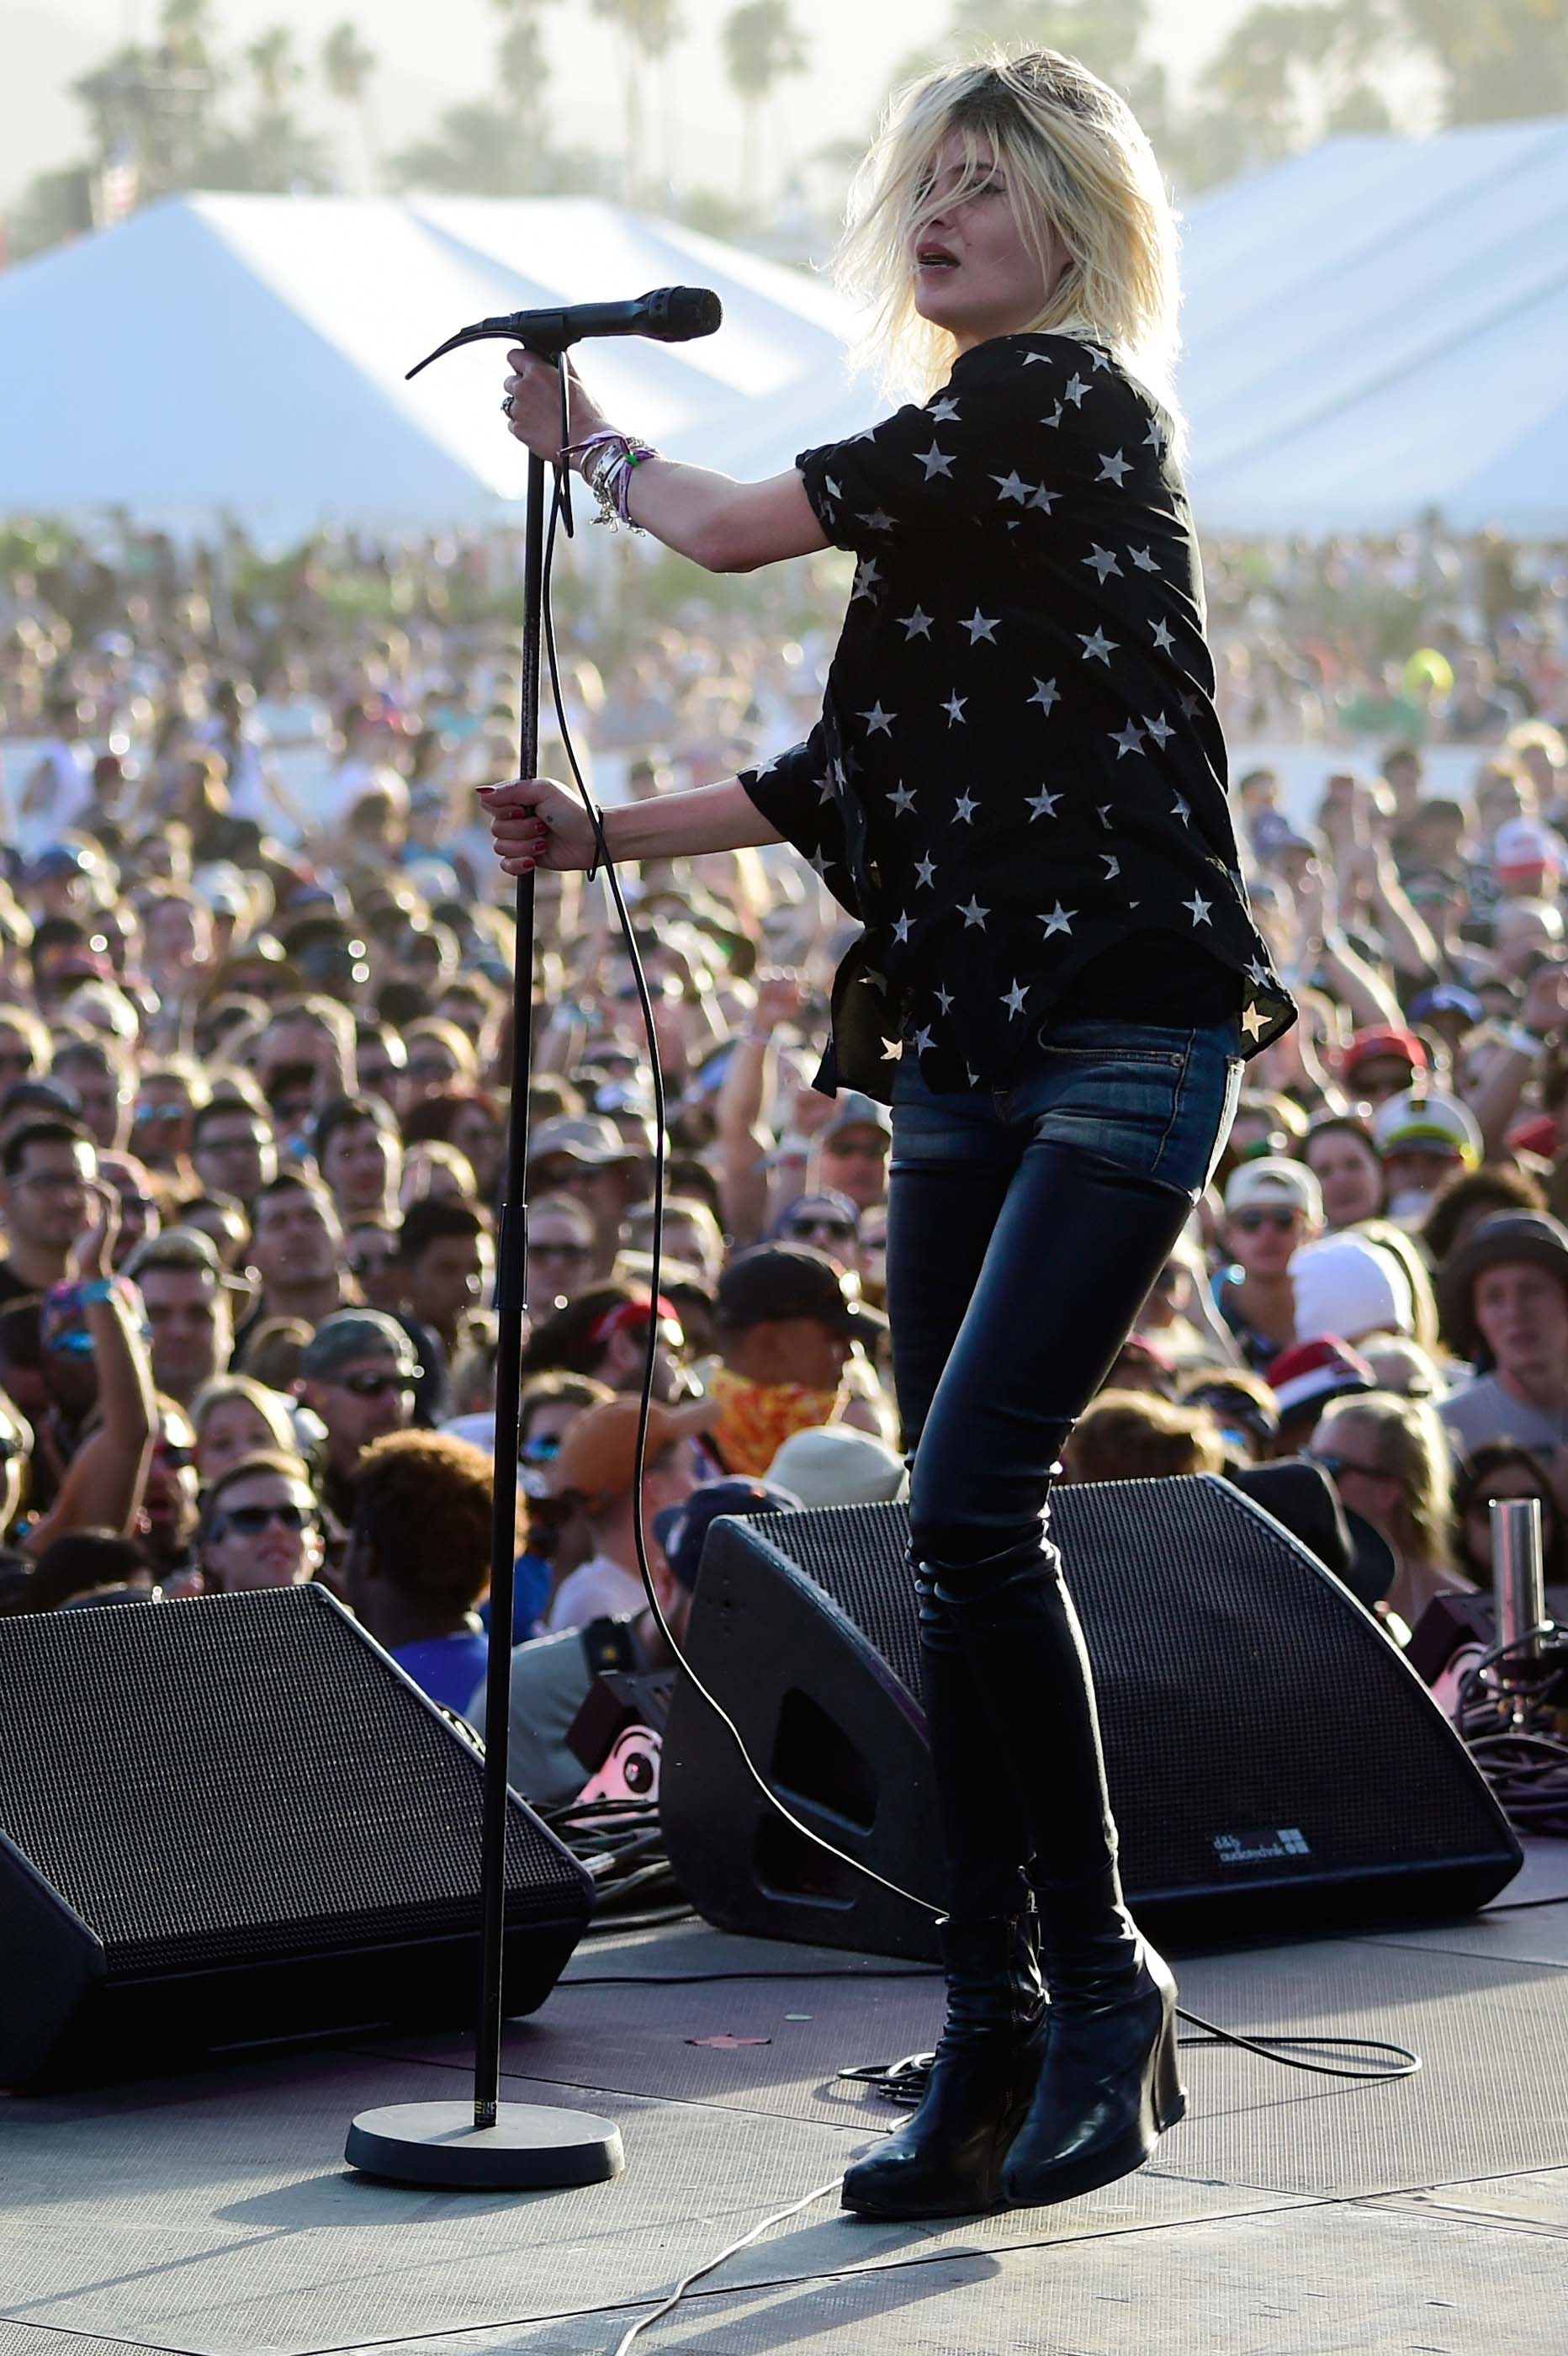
(436, 50)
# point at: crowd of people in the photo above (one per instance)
(255, 1041)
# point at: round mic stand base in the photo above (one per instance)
(532, 2147)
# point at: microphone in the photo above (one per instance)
(668, 315)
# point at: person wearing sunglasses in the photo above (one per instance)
(260, 1525)
(1272, 1209)
(830, 1222)
(563, 1251)
(1389, 1460)
(360, 1373)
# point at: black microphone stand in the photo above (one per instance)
(495, 2145)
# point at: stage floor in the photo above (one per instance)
(1286, 2216)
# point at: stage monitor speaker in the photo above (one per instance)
(232, 1820)
(1274, 1764)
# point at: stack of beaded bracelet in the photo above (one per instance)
(608, 459)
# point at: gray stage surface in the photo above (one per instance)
(1287, 2216)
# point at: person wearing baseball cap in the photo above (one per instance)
(552, 1674)
(1425, 1138)
(584, 1156)
(852, 1154)
(787, 1319)
(1381, 1062)
(1271, 1207)
(358, 1372)
(1503, 1298)
(1526, 859)
(1305, 1378)
(595, 1468)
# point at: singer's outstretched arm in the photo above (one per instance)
(722, 525)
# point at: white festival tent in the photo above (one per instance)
(246, 354)
(1380, 326)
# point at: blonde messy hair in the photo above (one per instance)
(1076, 160)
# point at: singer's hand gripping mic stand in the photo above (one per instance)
(493, 2145)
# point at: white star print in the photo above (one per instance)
(1031, 358)
(1013, 1000)
(973, 913)
(1059, 921)
(1144, 561)
(878, 719)
(1046, 694)
(944, 999)
(868, 573)
(1103, 562)
(1200, 907)
(1113, 469)
(1182, 808)
(1113, 865)
(935, 461)
(1131, 740)
(979, 627)
(922, 1042)
(1163, 638)
(1011, 486)
(1252, 1023)
(831, 487)
(1044, 500)
(1098, 357)
(926, 869)
(1098, 648)
(1043, 805)
(943, 412)
(824, 787)
(877, 520)
(901, 799)
(875, 981)
(892, 1051)
(1191, 706)
(1155, 438)
(963, 810)
(1074, 389)
(1257, 974)
(900, 928)
(954, 707)
(1055, 417)
(1105, 815)
(1159, 728)
(916, 625)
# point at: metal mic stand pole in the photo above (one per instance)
(492, 2145)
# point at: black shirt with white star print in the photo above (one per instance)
(1017, 783)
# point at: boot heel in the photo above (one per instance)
(1169, 2095)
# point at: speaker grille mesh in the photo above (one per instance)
(172, 1784)
(1231, 1668)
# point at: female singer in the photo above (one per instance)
(1018, 785)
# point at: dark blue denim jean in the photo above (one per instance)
(1025, 1229)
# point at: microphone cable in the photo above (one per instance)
(901, 2081)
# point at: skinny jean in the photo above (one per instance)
(1025, 1226)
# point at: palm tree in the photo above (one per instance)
(278, 71)
(347, 66)
(763, 45)
(652, 28)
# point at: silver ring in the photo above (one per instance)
(506, 404)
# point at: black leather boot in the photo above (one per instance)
(947, 2160)
(1110, 2084)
